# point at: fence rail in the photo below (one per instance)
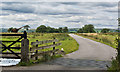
(11, 34)
(36, 49)
(10, 53)
(10, 57)
(10, 41)
(45, 47)
(43, 42)
(11, 47)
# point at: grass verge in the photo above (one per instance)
(103, 38)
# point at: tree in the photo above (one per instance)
(26, 27)
(60, 30)
(50, 30)
(41, 29)
(65, 29)
(56, 30)
(88, 29)
(10, 29)
(80, 30)
(105, 30)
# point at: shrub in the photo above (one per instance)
(46, 57)
(26, 64)
(114, 66)
(106, 40)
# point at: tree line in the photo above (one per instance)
(44, 29)
(90, 29)
(47, 29)
(87, 29)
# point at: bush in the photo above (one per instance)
(96, 37)
(114, 66)
(46, 57)
(26, 64)
(106, 40)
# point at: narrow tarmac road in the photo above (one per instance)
(91, 55)
(89, 49)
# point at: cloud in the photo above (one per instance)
(26, 20)
(73, 21)
(60, 1)
(19, 8)
(69, 3)
(58, 14)
(105, 4)
(45, 8)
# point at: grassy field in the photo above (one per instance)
(106, 38)
(68, 44)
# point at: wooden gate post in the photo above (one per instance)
(25, 49)
(36, 51)
(53, 47)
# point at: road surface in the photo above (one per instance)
(89, 49)
(91, 55)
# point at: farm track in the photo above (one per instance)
(91, 55)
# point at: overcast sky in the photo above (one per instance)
(59, 14)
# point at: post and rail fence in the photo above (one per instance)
(38, 51)
(27, 53)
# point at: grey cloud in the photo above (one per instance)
(10, 3)
(45, 8)
(4, 14)
(70, 13)
(112, 11)
(58, 14)
(22, 8)
(106, 4)
(73, 21)
(69, 3)
(26, 20)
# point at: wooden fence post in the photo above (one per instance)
(25, 35)
(53, 47)
(30, 53)
(25, 48)
(36, 51)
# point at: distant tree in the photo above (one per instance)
(41, 29)
(10, 29)
(50, 30)
(26, 27)
(56, 30)
(117, 30)
(80, 30)
(88, 28)
(105, 30)
(65, 29)
(60, 30)
(44, 29)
